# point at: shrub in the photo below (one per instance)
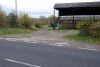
(25, 21)
(89, 28)
(95, 29)
(54, 25)
(84, 27)
(37, 25)
(3, 22)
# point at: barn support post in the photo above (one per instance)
(94, 18)
(73, 16)
(58, 22)
(54, 23)
(89, 17)
(54, 15)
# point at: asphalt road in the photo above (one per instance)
(20, 54)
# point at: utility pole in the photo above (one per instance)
(15, 24)
(16, 7)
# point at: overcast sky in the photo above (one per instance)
(36, 8)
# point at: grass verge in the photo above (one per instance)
(14, 31)
(83, 38)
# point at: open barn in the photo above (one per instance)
(77, 11)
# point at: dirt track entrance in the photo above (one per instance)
(53, 37)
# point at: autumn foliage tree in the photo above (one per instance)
(25, 21)
(3, 22)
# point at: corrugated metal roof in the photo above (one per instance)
(75, 5)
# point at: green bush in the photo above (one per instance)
(95, 29)
(25, 21)
(84, 27)
(54, 25)
(37, 25)
(3, 20)
(89, 28)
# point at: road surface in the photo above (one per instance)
(21, 54)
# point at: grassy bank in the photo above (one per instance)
(83, 38)
(14, 31)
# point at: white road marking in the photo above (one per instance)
(51, 44)
(56, 45)
(18, 62)
(88, 49)
(32, 42)
(60, 44)
(10, 39)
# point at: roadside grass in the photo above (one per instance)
(72, 31)
(14, 31)
(35, 28)
(46, 27)
(67, 31)
(83, 38)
